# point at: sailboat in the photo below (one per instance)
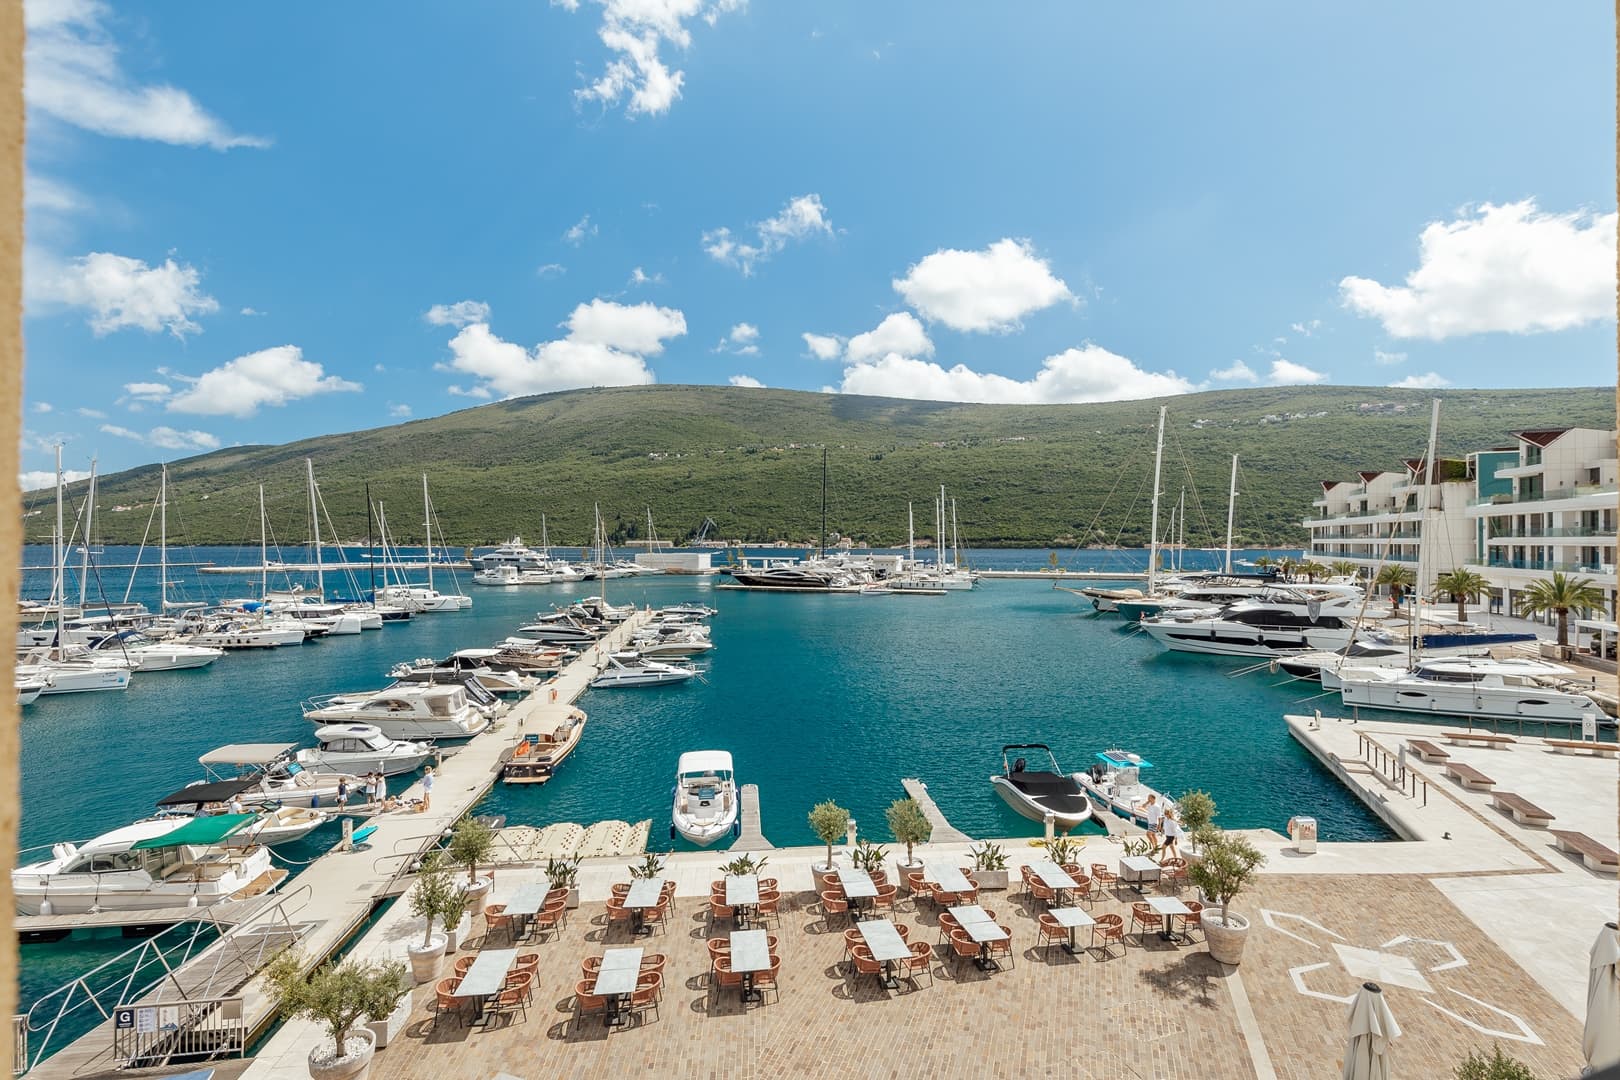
(419, 597)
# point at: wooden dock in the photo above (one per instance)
(944, 831)
(1065, 575)
(752, 839)
(343, 887)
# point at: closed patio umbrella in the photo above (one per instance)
(1372, 1026)
(1600, 1041)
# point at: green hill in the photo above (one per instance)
(751, 460)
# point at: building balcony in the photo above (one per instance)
(1577, 491)
(1578, 531)
(1533, 469)
(1547, 566)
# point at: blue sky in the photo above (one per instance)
(247, 226)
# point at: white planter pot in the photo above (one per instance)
(820, 873)
(991, 879)
(324, 1065)
(477, 892)
(384, 1031)
(454, 935)
(902, 869)
(425, 959)
(573, 898)
(1226, 938)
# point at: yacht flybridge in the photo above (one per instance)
(705, 807)
(161, 863)
(1035, 793)
(404, 711)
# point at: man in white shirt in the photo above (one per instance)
(1153, 810)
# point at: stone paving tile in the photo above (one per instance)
(1305, 1035)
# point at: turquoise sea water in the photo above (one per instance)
(816, 696)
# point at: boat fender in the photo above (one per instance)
(736, 828)
(672, 830)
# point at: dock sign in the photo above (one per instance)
(124, 1018)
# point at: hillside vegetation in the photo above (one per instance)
(750, 459)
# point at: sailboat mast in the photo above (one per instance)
(822, 543)
(956, 539)
(1430, 472)
(58, 546)
(264, 550)
(911, 536)
(427, 527)
(89, 521)
(1231, 502)
(939, 532)
(371, 548)
(1181, 535)
(163, 541)
(315, 531)
(1153, 537)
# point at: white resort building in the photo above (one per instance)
(1513, 514)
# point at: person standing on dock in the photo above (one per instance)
(343, 793)
(382, 789)
(371, 788)
(427, 789)
(1172, 836)
(1153, 813)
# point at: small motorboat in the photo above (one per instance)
(272, 825)
(632, 669)
(1037, 793)
(358, 749)
(699, 610)
(1114, 784)
(475, 662)
(274, 778)
(535, 759)
(705, 806)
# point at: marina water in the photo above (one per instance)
(817, 697)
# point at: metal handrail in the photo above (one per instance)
(1391, 766)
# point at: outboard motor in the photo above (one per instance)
(1097, 772)
(1019, 765)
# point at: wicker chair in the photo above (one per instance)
(1104, 878)
(590, 966)
(853, 939)
(718, 947)
(649, 989)
(618, 913)
(1194, 919)
(833, 904)
(553, 917)
(922, 960)
(497, 922)
(724, 977)
(947, 926)
(1108, 928)
(769, 906)
(766, 980)
(1004, 947)
(719, 909)
(587, 1002)
(1038, 890)
(884, 900)
(464, 965)
(1050, 932)
(864, 964)
(963, 947)
(1173, 875)
(1082, 891)
(514, 994)
(1149, 920)
(446, 1001)
(656, 918)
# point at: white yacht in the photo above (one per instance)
(465, 662)
(1106, 600)
(706, 805)
(275, 824)
(1284, 620)
(1114, 784)
(422, 598)
(632, 669)
(55, 675)
(225, 631)
(672, 641)
(173, 862)
(559, 630)
(143, 654)
(274, 776)
(361, 749)
(404, 711)
(1037, 793)
(1510, 689)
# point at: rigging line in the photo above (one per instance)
(145, 536)
(1186, 468)
(1119, 476)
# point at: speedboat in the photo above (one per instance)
(1037, 793)
(1114, 784)
(535, 759)
(701, 611)
(161, 863)
(632, 669)
(523, 655)
(274, 774)
(560, 629)
(144, 654)
(473, 662)
(706, 806)
(358, 749)
(1108, 599)
(275, 824)
(1509, 689)
(404, 711)
(682, 641)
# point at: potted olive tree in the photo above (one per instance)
(989, 866)
(564, 874)
(1227, 867)
(909, 826)
(471, 842)
(1196, 812)
(434, 898)
(829, 822)
(337, 996)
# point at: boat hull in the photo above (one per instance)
(1034, 811)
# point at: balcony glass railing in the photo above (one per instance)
(1531, 534)
(1549, 565)
(1574, 492)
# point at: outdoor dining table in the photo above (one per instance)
(1170, 908)
(948, 877)
(857, 886)
(644, 893)
(979, 926)
(1137, 868)
(1053, 876)
(616, 979)
(750, 952)
(526, 903)
(742, 895)
(486, 977)
(1071, 917)
(887, 946)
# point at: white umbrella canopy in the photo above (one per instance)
(1600, 1040)
(1372, 1028)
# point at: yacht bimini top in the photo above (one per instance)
(1121, 759)
(209, 791)
(197, 832)
(699, 762)
(248, 754)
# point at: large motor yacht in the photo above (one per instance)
(404, 711)
(1512, 689)
(1284, 620)
(359, 749)
(633, 669)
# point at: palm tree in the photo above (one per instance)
(1559, 596)
(1286, 566)
(1312, 570)
(1263, 561)
(1463, 585)
(1397, 578)
(1345, 568)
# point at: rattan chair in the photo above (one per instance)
(1108, 928)
(1149, 920)
(921, 960)
(963, 947)
(1050, 932)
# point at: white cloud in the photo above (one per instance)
(1089, 373)
(482, 393)
(271, 376)
(251, 311)
(802, 217)
(900, 333)
(577, 233)
(123, 292)
(50, 195)
(1504, 268)
(36, 479)
(634, 31)
(746, 380)
(148, 393)
(166, 438)
(551, 270)
(43, 407)
(90, 414)
(743, 340)
(399, 411)
(824, 346)
(1388, 359)
(1288, 373)
(461, 313)
(606, 345)
(74, 75)
(638, 276)
(1306, 329)
(989, 290)
(1238, 372)
(1431, 381)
